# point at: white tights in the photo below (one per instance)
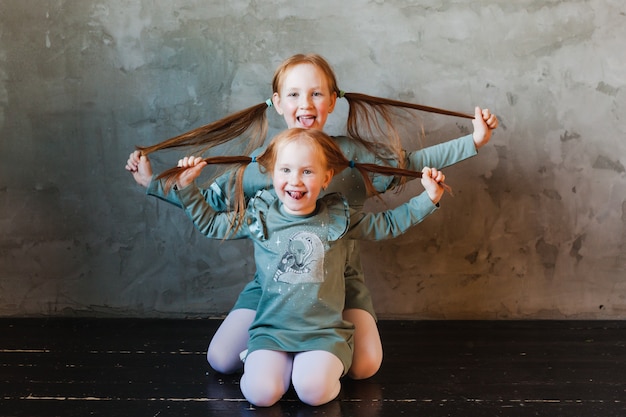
(231, 339)
(268, 374)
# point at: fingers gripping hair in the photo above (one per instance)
(241, 162)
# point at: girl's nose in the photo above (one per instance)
(294, 178)
(305, 101)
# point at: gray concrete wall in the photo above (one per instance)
(536, 228)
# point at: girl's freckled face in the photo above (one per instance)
(299, 176)
(305, 99)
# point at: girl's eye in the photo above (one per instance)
(307, 172)
(317, 94)
(284, 170)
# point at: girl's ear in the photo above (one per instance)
(333, 101)
(328, 178)
(276, 101)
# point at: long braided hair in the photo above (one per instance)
(325, 147)
(370, 120)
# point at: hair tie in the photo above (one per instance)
(351, 164)
(268, 102)
(341, 93)
(253, 159)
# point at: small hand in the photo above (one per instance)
(139, 165)
(433, 182)
(193, 167)
(484, 122)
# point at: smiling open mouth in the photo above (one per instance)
(306, 121)
(296, 195)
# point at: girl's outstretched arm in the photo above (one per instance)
(451, 152)
(394, 222)
(209, 222)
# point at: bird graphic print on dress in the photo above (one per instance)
(302, 261)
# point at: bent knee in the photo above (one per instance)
(262, 393)
(223, 361)
(315, 392)
(365, 366)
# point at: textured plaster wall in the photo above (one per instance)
(536, 228)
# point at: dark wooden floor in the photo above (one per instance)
(134, 367)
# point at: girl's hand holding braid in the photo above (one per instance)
(484, 122)
(433, 182)
(139, 165)
(194, 166)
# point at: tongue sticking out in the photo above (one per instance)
(306, 121)
(296, 195)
